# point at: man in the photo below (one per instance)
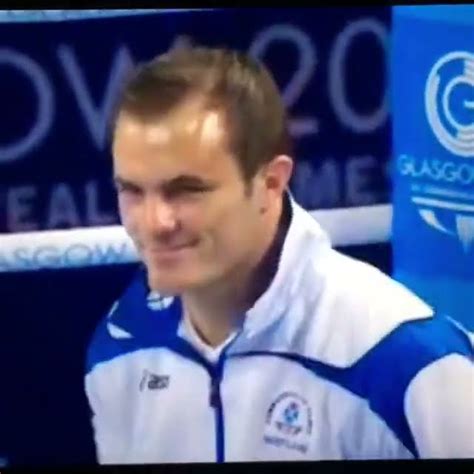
(246, 336)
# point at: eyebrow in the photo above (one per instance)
(117, 180)
(181, 180)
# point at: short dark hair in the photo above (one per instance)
(230, 81)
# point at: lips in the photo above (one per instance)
(170, 249)
(164, 251)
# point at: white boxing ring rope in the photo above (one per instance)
(85, 247)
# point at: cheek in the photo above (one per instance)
(129, 214)
(235, 232)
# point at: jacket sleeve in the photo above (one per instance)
(107, 429)
(103, 386)
(439, 406)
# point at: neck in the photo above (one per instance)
(216, 310)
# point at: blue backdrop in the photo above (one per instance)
(433, 139)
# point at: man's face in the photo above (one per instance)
(182, 198)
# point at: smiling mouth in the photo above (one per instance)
(167, 251)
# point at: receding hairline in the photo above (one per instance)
(234, 84)
(210, 119)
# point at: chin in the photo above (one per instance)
(170, 284)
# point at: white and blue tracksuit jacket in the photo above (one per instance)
(334, 361)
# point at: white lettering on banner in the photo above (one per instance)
(306, 66)
(435, 202)
(45, 105)
(19, 208)
(79, 253)
(347, 116)
(444, 171)
(321, 187)
(30, 207)
(95, 216)
(358, 171)
(75, 255)
(97, 118)
(62, 208)
(317, 187)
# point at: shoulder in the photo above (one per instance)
(418, 376)
(439, 407)
(356, 306)
(374, 337)
(369, 292)
(110, 339)
(138, 319)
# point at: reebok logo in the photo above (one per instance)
(154, 381)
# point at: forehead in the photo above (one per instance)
(189, 139)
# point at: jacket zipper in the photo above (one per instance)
(215, 401)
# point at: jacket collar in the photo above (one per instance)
(304, 238)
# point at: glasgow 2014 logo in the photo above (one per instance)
(445, 199)
(449, 102)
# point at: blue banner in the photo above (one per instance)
(59, 80)
(433, 144)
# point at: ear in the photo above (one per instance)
(277, 174)
(273, 180)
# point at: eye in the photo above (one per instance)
(128, 189)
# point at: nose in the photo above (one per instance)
(160, 216)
